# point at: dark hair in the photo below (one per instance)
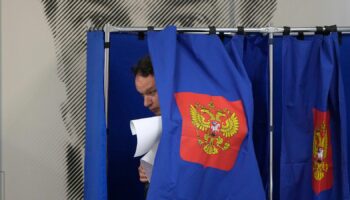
(143, 67)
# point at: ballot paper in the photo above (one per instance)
(148, 160)
(147, 131)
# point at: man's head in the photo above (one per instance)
(146, 84)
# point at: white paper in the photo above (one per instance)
(147, 131)
(147, 161)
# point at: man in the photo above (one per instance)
(146, 86)
(68, 20)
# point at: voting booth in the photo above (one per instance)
(115, 111)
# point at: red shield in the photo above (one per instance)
(213, 129)
(322, 163)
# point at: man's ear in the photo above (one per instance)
(50, 10)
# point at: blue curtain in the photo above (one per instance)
(344, 47)
(95, 177)
(314, 135)
(193, 82)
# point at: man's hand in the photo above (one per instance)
(142, 174)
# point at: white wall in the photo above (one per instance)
(32, 130)
(311, 13)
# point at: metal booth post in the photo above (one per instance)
(107, 31)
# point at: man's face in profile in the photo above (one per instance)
(146, 86)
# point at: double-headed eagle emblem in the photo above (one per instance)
(216, 126)
(320, 147)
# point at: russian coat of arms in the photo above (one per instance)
(320, 147)
(216, 125)
(322, 162)
(212, 131)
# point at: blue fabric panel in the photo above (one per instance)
(277, 113)
(256, 62)
(95, 179)
(345, 67)
(125, 104)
